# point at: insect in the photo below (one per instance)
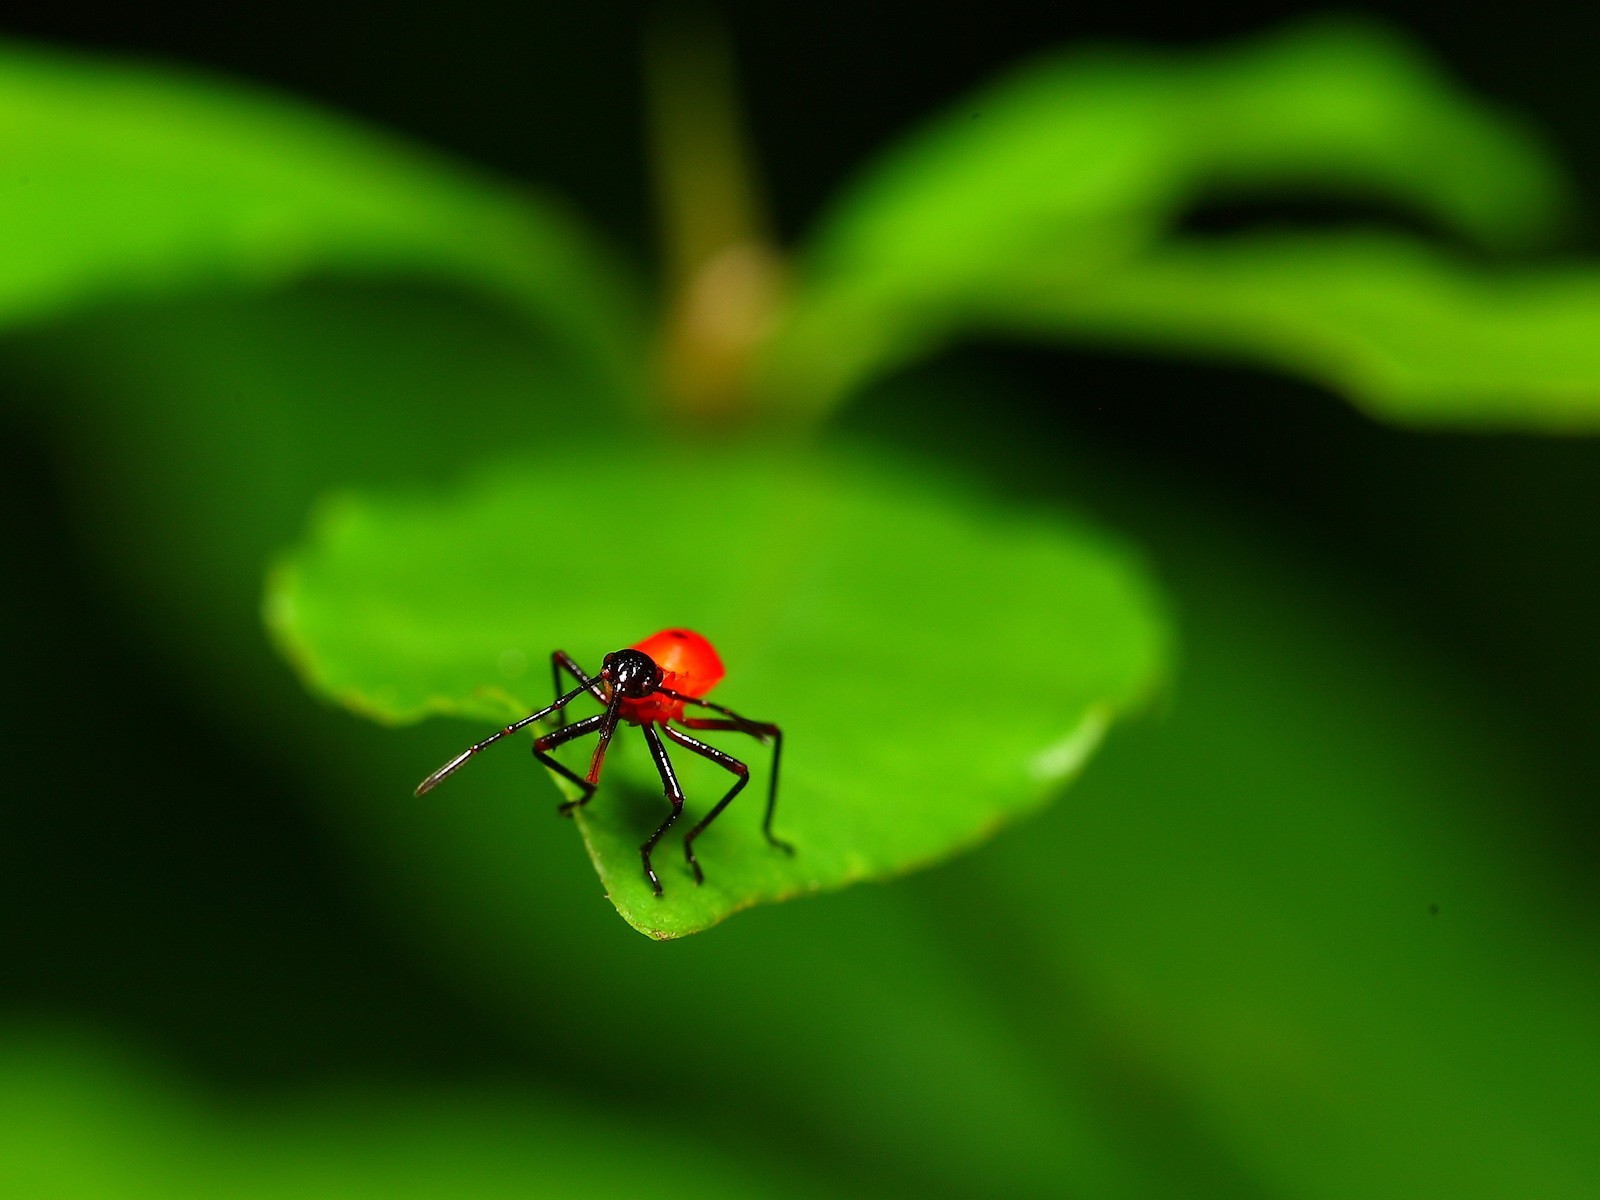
(646, 685)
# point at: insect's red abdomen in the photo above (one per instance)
(691, 662)
(691, 667)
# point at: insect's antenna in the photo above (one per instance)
(460, 760)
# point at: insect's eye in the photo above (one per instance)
(606, 661)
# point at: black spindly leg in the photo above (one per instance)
(551, 740)
(728, 763)
(762, 731)
(560, 661)
(669, 781)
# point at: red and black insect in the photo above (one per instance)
(646, 685)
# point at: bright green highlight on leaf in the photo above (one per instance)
(939, 666)
(1078, 165)
(121, 182)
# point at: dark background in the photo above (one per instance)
(551, 93)
(116, 907)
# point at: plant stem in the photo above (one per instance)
(724, 274)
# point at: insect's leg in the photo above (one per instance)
(551, 740)
(669, 781)
(460, 760)
(560, 661)
(762, 731)
(728, 763)
(608, 726)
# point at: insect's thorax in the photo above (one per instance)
(655, 707)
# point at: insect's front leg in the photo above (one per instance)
(566, 734)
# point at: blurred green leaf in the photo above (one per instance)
(76, 1122)
(1409, 332)
(870, 613)
(1080, 162)
(123, 181)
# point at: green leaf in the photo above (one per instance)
(1080, 162)
(876, 616)
(124, 181)
(81, 1122)
(1409, 332)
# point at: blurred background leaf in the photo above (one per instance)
(1080, 162)
(79, 1121)
(1075, 167)
(1408, 332)
(124, 182)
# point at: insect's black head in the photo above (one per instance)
(631, 672)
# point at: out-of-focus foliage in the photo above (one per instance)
(1398, 326)
(124, 182)
(868, 611)
(79, 1124)
(1047, 205)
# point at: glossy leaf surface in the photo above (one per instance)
(875, 616)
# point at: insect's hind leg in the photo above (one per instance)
(728, 763)
(669, 781)
(566, 734)
(761, 731)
